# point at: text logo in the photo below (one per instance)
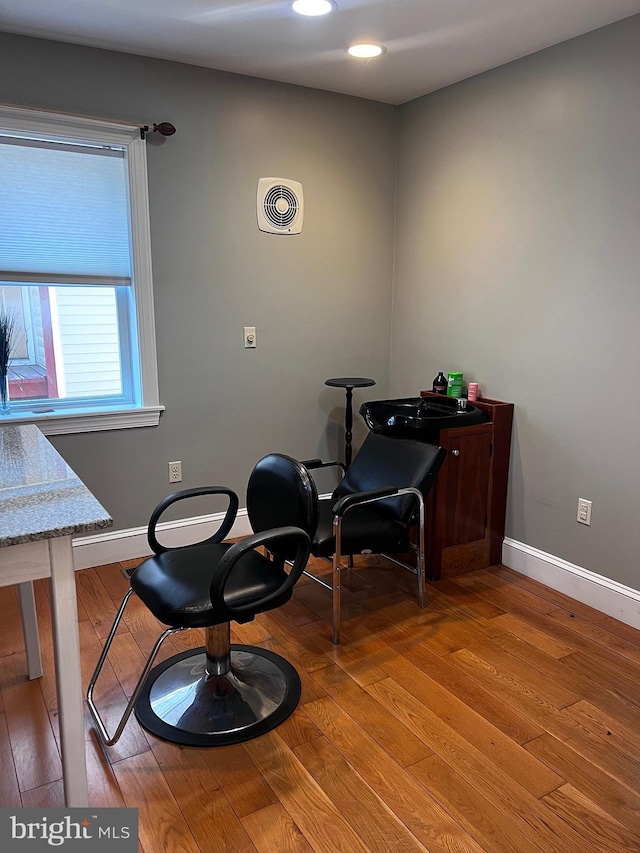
(69, 829)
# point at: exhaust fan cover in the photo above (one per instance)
(280, 207)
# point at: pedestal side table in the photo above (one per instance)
(349, 383)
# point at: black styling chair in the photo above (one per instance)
(375, 506)
(221, 693)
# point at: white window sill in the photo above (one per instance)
(69, 421)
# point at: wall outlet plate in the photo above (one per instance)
(584, 511)
(175, 472)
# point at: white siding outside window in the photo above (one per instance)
(86, 341)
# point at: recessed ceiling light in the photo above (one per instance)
(313, 7)
(366, 51)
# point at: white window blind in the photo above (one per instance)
(64, 213)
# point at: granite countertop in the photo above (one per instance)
(40, 496)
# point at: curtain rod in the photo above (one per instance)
(164, 128)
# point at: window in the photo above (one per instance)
(75, 273)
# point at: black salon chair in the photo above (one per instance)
(375, 507)
(221, 693)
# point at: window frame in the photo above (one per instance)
(147, 412)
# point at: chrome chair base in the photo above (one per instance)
(184, 703)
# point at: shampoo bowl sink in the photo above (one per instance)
(418, 417)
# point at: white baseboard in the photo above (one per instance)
(113, 546)
(608, 596)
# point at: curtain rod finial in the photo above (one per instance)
(164, 128)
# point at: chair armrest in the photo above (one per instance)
(310, 464)
(347, 501)
(239, 549)
(218, 536)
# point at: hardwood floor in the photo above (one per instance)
(503, 717)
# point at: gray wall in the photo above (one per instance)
(321, 301)
(517, 262)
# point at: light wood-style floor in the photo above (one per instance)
(503, 717)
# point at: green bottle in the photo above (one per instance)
(454, 384)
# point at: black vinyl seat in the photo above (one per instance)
(374, 508)
(221, 693)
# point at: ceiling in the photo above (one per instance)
(430, 43)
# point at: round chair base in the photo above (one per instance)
(182, 703)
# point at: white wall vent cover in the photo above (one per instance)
(280, 206)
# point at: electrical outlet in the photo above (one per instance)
(249, 337)
(584, 511)
(175, 472)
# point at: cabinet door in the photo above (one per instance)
(463, 499)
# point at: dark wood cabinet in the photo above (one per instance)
(466, 508)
